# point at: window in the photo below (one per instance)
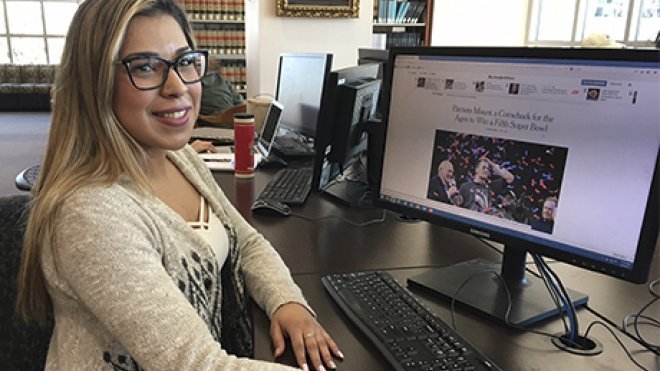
(32, 31)
(568, 22)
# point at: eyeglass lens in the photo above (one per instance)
(148, 72)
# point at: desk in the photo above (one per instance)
(406, 249)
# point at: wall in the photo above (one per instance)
(268, 35)
(479, 22)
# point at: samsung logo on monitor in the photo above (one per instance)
(480, 233)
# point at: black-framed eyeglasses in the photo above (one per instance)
(148, 72)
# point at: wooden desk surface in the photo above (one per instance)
(510, 349)
(312, 249)
(329, 244)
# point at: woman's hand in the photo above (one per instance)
(308, 338)
(202, 146)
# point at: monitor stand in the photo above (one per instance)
(475, 285)
(351, 192)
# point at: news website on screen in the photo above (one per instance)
(560, 152)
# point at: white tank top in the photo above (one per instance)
(212, 231)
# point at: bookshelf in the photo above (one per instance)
(219, 27)
(402, 23)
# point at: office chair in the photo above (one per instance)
(22, 347)
(26, 178)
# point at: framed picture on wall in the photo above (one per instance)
(319, 8)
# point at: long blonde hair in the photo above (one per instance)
(87, 145)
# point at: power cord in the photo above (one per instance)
(604, 325)
(655, 348)
(552, 293)
(557, 288)
(345, 220)
(558, 292)
(507, 313)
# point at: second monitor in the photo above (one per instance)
(348, 105)
(300, 81)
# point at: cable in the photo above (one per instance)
(363, 224)
(553, 295)
(559, 288)
(637, 336)
(544, 270)
(571, 312)
(575, 331)
(614, 325)
(592, 324)
(494, 248)
(652, 288)
(636, 324)
(655, 348)
(650, 320)
(508, 308)
(464, 283)
(555, 298)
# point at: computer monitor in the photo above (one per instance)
(300, 80)
(335, 123)
(269, 128)
(380, 57)
(369, 55)
(548, 151)
(356, 105)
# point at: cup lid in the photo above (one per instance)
(243, 116)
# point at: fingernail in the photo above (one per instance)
(332, 365)
(305, 367)
(340, 354)
(320, 368)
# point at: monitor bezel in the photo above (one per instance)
(648, 238)
(307, 129)
(266, 143)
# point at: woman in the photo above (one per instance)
(130, 241)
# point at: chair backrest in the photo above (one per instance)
(26, 179)
(22, 347)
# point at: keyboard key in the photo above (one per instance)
(290, 186)
(291, 147)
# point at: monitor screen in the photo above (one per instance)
(300, 82)
(269, 128)
(552, 151)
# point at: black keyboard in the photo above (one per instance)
(289, 147)
(290, 186)
(409, 336)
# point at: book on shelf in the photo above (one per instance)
(392, 39)
(403, 39)
(379, 41)
(214, 10)
(399, 11)
(219, 38)
(235, 73)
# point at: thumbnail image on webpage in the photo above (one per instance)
(512, 180)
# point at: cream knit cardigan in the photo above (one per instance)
(134, 287)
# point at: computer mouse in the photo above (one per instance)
(270, 207)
